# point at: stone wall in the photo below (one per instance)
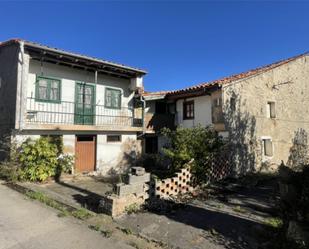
(248, 123)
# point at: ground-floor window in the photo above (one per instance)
(267, 147)
(113, 138)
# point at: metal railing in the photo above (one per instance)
(70, 113)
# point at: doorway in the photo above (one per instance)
(84, 104)
(85, 153)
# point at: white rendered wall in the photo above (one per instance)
(202, 112)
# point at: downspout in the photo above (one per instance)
(143, 113)
(22, 51)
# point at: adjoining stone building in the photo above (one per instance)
(263, 112)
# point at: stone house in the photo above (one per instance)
(93, 104)
(263, 113)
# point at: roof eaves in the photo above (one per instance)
(237, 77)
(80, 56)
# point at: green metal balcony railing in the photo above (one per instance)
(70, 113)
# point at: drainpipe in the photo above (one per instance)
(143, 113)
(22, 51)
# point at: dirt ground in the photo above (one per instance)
(232, 214)
(233, 217)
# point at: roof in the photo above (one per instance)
(232, 78)
(154, 95)
(35, 45)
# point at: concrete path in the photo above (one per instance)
(26, 224)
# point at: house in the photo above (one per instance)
(263, 113)
(93, 104)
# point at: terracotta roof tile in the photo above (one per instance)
(235, 77)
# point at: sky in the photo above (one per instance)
(179, 43)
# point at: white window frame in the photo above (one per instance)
(269, 106)
(265, 157)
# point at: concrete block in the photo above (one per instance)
(123, 190)
(134, 179)
(138, 171)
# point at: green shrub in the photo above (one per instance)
(38, 159)
(132, 208)
(198, 143)
(9, 171)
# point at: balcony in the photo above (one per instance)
(73, 115)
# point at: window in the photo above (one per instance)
(271, 110)
(267, 147)
(217, 102)
(113, 138)
(188, 110)
(48, 89)
(112, 98)
(233, 104)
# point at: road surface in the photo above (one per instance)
(27, 224)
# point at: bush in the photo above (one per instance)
(198, 143)
(9, 171)
(38, 159)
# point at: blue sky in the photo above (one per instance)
(179, 43)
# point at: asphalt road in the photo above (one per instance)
(29, 224)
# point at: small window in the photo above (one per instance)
(113, 98)
(113, 138)
(188, 110)
(217, 102)
(233, 104)
(271, 110)
(268, 147)
(48, 89)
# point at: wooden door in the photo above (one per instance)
(84, 104)
(85, 153)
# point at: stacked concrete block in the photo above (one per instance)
(135, 190)
(179, 184)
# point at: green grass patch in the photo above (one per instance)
(106, 233)
(239, 209)
(79, 213)
(126, 231)
(274, 222)
(82, 214)
(133, 208)
(44, 199)
(94, 227)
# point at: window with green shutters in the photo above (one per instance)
(112, 98)
(48, 89)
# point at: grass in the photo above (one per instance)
(81, 214)
(133, 208)
(78, 213)
(239, 209)
(126, 231)
(95, 227)
(274, 222)
(45, 199)
(106, 233)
